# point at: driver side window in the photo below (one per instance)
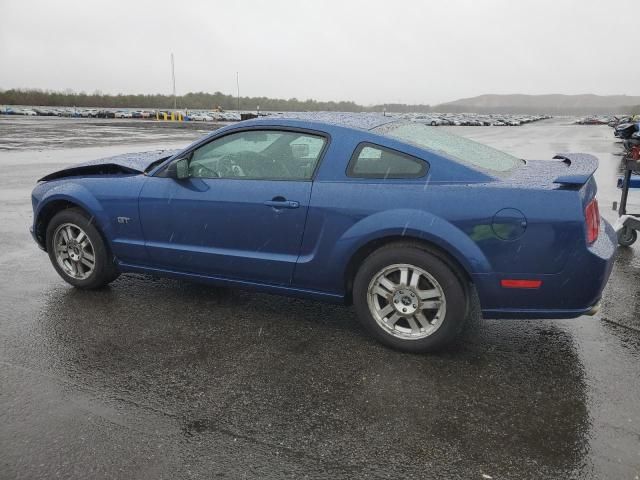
(259, 155)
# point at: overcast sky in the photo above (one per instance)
(373, 51)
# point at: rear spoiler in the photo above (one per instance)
(580, 167)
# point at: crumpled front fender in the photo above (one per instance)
(75, 193)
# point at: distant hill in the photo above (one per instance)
(552, 104)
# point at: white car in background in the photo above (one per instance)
(201, 117)
(433, 121)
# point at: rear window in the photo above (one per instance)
(461, 149)
(373, 161)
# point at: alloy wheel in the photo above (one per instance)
(74, 251)
(406, 301)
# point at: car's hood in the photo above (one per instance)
(128, 163)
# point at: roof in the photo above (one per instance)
(362, 121)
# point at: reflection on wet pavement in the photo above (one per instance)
(302, 377)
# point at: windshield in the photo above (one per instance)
(460, 148)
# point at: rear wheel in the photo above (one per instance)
(627, 237)
(409, 298)
(78, 252)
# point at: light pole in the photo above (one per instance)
(238, 87)
(173, 80)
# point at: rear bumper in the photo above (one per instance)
(540, 314)
(574, 292)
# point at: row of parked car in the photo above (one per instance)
(76, 112)
(433, 119)
(611, 120)
(458, 119)
(112, 113)
(213, 116)
(473, 119)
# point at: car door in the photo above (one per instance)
(241, 212)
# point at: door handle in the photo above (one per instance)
(279, 202)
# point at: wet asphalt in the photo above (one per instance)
(154, 378)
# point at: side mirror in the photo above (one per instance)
(179, 169)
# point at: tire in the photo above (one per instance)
(72, 258)
(627, 237)
(440, 297)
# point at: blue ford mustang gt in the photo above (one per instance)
(405, 221)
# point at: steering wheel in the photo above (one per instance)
(258, 165)
(227, 166)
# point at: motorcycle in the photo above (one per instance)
(629, 133)
(632, 141)
(625, 130)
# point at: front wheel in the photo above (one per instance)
(78, 252)
(409, 298)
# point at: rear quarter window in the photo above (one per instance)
(462, 149)
(373, 161)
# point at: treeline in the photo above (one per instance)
(193, 100)
(209, 101)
